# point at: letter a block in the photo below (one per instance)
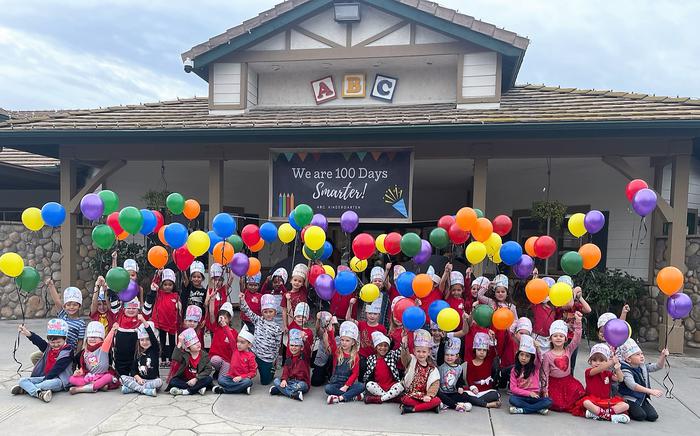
(324, 90)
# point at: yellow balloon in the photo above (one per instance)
(358, 265)
(11, 264)
(448, 319)
(576, 225)
(496, 257)
(286, 233)
(379, 243)
(493, 244)
(31, 218)
(369, 293)
(329, 270)
(198, 243)
(314, 237)
(476, 252)
(560, 293)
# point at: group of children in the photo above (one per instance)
(358, 352)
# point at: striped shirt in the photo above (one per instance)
(76, 328)
(268, 335)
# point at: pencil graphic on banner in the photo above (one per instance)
(284, 204)
(280, 208)
(291, 207)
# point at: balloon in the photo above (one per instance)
(537, 290)
(545, 247)
(349, 221)
(314, 237)
(560, 294)
(482, 229)
(31, 218)
(466, 218)
(590, 253)
(303, 214)
(123, 235)
(53, 214)
(410, 244)
(435, 308)
(669, 280)
(379, 243)
(11, 264)
(259, 246)
(223, 252)
(327, 250)
(530, 246)
(358, 265)
(633, 187)
(319, 220)
(413, 318)
(161, 235)
(160, 221)
(131, 291)
(240, 264)
(110, 200)
(392, 243)
(576, 225)
(223, 225)
(183, 258)
(502, 318)
(130, 220)
(314, 272)
(345, 282)
(482, 315)
(236, 241)
(149, 220)
(401, 306)
(479, 212)
(457, 235)
(523, 268)
(176, 235)
(268, 232)
(644, 202)
(292, 222)
(198, 243)
(493, 244)
(103, 236)
(448, 319)
(422, 285)
(404, 283)
(502, 225)
(550, 281)
(496, 257)
(678, 305)
(363, 246)
(286, 233)
(571, 263)
(329, 270)
(91, 206)
(475, 252)
(28, 280)
(324, 287)
(369, 292)
(113, 222)
(191, 209)
(616, 332)
(158, 257)
(445, 222)
(594, 221)
(117, 279)
(311, 254)
(510, 253)
(250, 235)
(425, 252)
(254, 266)
(439, 238)
(175, 203)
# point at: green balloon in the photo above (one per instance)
(439, 238)
(311, 254)
(117, 279)
(110, 200)
(303, 214)
(482, 315)
(410, 244)
(28, 280)
(175, 203)
(236, 241)
(131, 219)
(103, 236)
(479, 213)
(571, 263)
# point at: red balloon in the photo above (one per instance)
(545, 246)
(401, 306)
(250, 235)
(502, 225)
(392, 243)
(446, 222)
(363, 246)
(457, 235)
(113, 222)
(633, 187)
(303, 231)
(160, 221)
(182, 258)
(314, 272)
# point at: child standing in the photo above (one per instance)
(126, 337)
(99, 308)
(222, 347)
(239, 377)
(298, 294)
(453, 377)
(132, 268)
(165, 313)
(194, 371)
(93, 373)
(481, 392)
(193, 320)
(296, 373)
(322, 363)
(268, 335)
(479, 286)
(144, 377)
(194, 293)
(70, 313)
(343, 385)
(525, 393)
(378, 278)
(366, 328)
(577, 304)
(382, 379)
(251, 295)
(422, 378)
(275, 286)
(636, 387)
(452, 285)
(558, 381)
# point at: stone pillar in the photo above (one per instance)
(68, 229)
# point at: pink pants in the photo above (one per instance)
(98, 380)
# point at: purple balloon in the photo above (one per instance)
(523, 269)
(320, 220)
(349, 221)
(550, 281)
(679, 305)
(644, 202)
(426, 250)
(616, 332)
(239, 264)
(324, 287)
(130, 292)
(92, 206)
(594, 221)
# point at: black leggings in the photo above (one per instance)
(451, 399)
(483, 400)
(181, 383)
(124, 351)
(320, 374)
(167, 345)
(645, 412)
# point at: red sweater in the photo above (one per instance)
(253, 300)
(220, 343)
(308, 343)
(242, 362)
(165, 314)
(339, 305)
(366, 330)
(297, 368)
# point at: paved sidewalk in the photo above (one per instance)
(113, 413)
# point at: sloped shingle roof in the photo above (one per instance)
(26, 159)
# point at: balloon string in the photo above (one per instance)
(16, 345)
(642, 222)
(629, 258)
(667, 377)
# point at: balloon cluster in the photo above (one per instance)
(26, 277)
(559, 292)
(51, 214)
(642, 198)
(670, 281)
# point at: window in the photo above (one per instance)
(692, 224)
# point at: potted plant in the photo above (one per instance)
(550, 214)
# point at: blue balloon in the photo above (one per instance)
(404, 283)
(435, 308)
(175, 235)
(268, 231)
(327, 250)
(53, 214)
(214, 239)
(413, 318)
(224, 225)
(345, 283)
(149, 222)
(511, 252)
(293, 223)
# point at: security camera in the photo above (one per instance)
(189, 65)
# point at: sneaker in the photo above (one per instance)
(437, 409)
(247, 390)
(217, 390)
(45, 396)
(543, 411)
(177, 391)
(274, 390)
(406, 409)
(17, 390)
(150, 392)
(443, 406)
(298, 396)
(591, 415)
(463, 407)
(332, 399)
(125, 390)
(73, 390)
(620, 419)
(360, 397)
(516, 410)
(202, 390)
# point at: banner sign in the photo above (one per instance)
(376, 184)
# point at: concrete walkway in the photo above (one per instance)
(113, 413)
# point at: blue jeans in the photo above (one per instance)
(231, 387)
(293, 386)
(529, 404)
(32, 385)
(353, 391)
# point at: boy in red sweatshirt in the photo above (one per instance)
(296, 373)
(243, 367)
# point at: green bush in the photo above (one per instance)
(102, 262)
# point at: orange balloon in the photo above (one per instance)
(422, 285)
(161, 235)
(530, 246)
(258, 246)
(123, 235)
(591, 255)
(502, 318)
(223, 252)
(254, 266)
(466, 218)
(158, 257)
(191, 209)
(482, 229)
(669, 280)
(537, 290)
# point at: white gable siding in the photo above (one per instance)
(301, 41)
(324, 25)
(479, 75)
(373, 22)
(227, 83)
(401, 36)
(427, 36)
(693, 188)
(275, 42)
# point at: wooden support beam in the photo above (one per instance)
(68, 229)
(216, 187)
(110, 168)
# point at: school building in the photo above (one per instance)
(402, 110)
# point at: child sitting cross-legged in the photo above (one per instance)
(422, 379)
(192, 371)
(453, 378)
(636, 388)
(144, 377)
(525, 393)
(296, 373)
(382, 378)
(242, 366)
(94, 373)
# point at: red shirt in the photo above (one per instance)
(482, 372)
(51, 358)
(393, 293)
(395, 337)
(544, 315)
(295, 297)
(382, 374)
(306, 349)
(459, 305)
(106, 319)
(165, 313)
(127, 322)
(220, 344)
(339, 305)
(506, 348)
(366, 344)
(191, 370)
(568, 315)
(220, 297)
(598, 385)
(253, 301)
(297, 368)
(426, 301)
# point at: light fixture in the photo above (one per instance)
(276, 68)
(347, 12)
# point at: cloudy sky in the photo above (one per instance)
(90, 53)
